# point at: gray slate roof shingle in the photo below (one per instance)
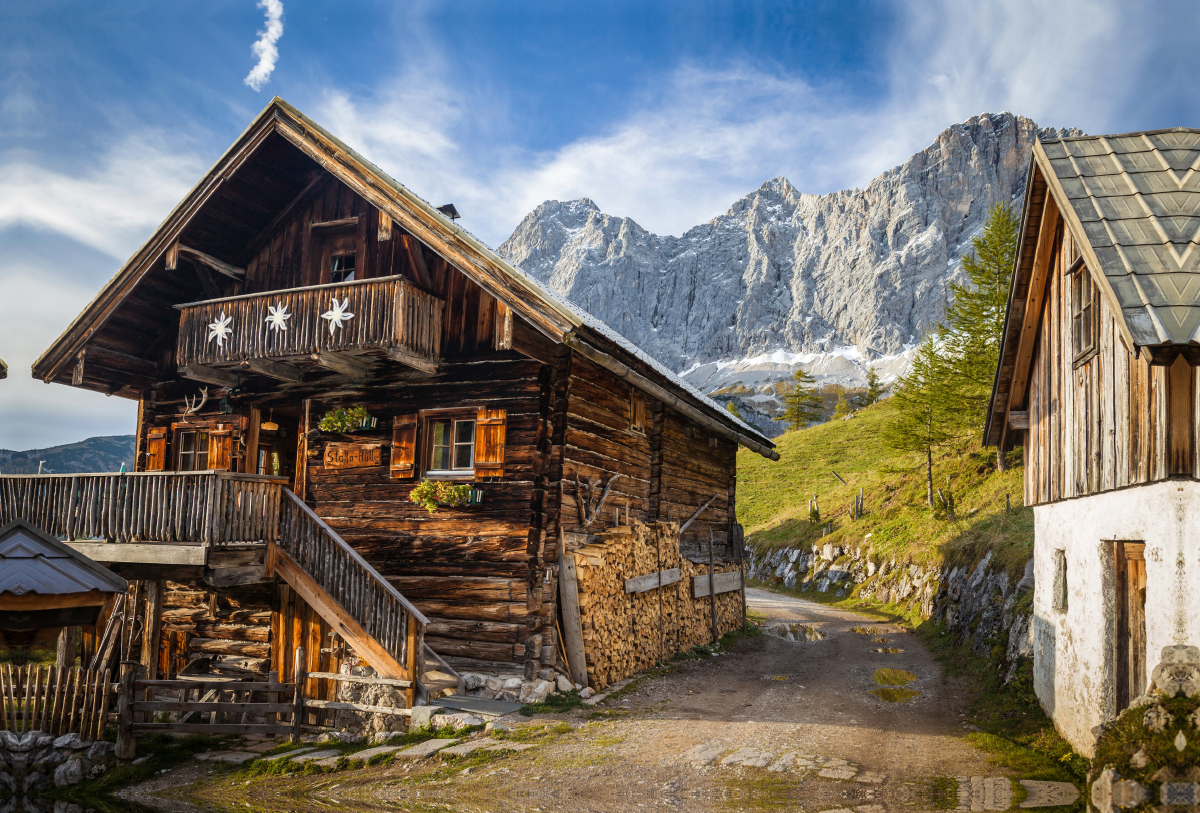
(1136, 197)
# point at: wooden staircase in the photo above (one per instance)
(165, 518)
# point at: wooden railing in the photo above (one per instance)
(55, 700)
(207, 507)
(389, 313)
(378, 607)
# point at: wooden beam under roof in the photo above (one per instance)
(210, 375)
(339, 363)
(220, 266)
(275, 369)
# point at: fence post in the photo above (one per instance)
(299, 675)
(271, 718)
(126, 746)
(411, 658)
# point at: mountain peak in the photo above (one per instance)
(865, 269)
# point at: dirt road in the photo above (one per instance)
(770, 723)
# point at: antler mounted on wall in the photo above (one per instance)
(193, 406)
(589, 500)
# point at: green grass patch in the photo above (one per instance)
(1014, 729)
(555, 704)
(773, 497)
(894, 677)
(894, 695)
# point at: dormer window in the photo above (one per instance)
(1083, 312)
(342, 268)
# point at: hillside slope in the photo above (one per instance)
(773, 497)
(98, 454)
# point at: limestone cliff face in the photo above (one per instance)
(785, 271)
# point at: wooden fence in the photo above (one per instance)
(55, 700)
(209, 507)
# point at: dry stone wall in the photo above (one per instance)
(978, 603)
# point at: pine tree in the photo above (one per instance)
(874, 386)
(803, 404)
(732, 408)
(974, 324)
(841, 409)
(925, 410)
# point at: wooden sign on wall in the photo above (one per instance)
(353, 455)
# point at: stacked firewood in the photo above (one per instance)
(626, 632)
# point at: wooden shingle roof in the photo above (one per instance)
(1135, 201)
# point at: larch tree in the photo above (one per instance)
(802, 405)
(874, 386)
(925, 414)
(969, 336)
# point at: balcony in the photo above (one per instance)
(342, 327)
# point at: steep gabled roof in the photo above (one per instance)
(31, 561)
(1132, 205)
(1135, 201)
(546, 311)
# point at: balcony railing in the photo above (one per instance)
(389, 314)
(206, 507)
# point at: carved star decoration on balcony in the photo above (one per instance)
(278, 317)
(220, 328)
(337, 314)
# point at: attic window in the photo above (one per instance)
(1083, 313)
(342, 268)
(637, 412)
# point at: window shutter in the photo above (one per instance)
(404, 446)
(490, 426)
(220, 450)
(637, 411)
(156, 450)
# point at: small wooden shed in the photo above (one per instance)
(45, 585)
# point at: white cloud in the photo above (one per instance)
(705, 136)
(264, 47)
(113, 206)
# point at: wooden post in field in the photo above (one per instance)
(299, 675)
(271, 717)
(126, 746)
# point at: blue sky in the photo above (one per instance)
(664, 112)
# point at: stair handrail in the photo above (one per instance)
(354, 555)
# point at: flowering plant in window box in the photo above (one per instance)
(432, 494)
(346, 419)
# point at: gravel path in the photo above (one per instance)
(774, 723)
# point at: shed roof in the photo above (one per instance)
(31, 561)
(1135, 200)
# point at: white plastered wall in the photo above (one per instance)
(1073, 669)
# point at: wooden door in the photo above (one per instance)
(1130, 639)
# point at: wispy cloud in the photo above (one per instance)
(705, 135)
(264, 47)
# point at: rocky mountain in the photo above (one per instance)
(92, 455)
(785, 279)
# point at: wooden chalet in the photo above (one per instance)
(297, 279)
(1098, 382)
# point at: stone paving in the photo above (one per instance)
(779, 762)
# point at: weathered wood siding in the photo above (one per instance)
(667, 473)
(440, 560)
(1109, 421)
